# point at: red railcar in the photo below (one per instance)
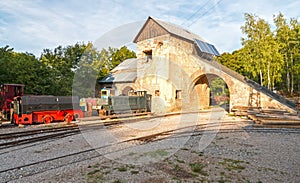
(7, 94)
(46, 109)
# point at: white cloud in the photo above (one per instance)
(34, 25)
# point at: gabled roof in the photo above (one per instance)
(172, 29)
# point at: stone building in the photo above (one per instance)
(176, 66)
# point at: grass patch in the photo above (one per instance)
(177, 167)
(122, 169)
(198, 168)
(93, 172)
(158, 152)
(95, 176)
(96, 165)
(131, 154)
(231, 164)
(222, 180)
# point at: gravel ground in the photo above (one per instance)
(242, 154)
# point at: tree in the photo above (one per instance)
(66, 70)
(24, 68)
(233, 61)
(287, 36)
(62, 62)
(269, 57)
(95, 65)
(261, 51)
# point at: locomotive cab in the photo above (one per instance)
(8, 92)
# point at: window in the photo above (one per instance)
(156, 92)
(148, 54)
(104, 93)
(160, 44)
(178, 94)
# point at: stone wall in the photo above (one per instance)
(174, 67)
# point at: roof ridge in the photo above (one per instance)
(172, 29)
(175, 29)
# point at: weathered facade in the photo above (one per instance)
(176, 71)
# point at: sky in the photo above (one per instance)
(33, 25)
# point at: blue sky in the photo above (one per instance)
(33, 25)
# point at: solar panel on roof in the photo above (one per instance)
(206, 47)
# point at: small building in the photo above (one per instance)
(122, 78)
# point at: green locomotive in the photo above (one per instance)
(136, 102)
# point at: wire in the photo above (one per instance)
(195, 12)
(204, 13)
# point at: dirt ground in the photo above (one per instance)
(234, 152)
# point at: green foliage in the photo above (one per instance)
(233, 61)
(218, 87)
(270, 57)
(62, 71)
(23, 68)
(94, 65)
(198, 168)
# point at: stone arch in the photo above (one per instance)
(126, 90)
(201, 90)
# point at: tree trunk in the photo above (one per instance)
(269, 79)
(261, 79)
(292, 75)
(287, 75)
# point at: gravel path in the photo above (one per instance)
(220, 148)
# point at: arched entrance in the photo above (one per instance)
(126, 90)
(210, 90)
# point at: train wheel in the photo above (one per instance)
(68, 118)
(47, 119)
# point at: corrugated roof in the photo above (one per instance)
(172, 29)
(126, 64)
(125, 72)
(122, 77)
(177, 30)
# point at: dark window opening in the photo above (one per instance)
(178, 94)
(148, 54)
(156, 92)
(160, 44)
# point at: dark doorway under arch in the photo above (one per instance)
(126, 90)
(212, 90)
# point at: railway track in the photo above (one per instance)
(38, 135)
(39, 139)
(12, 139)
(87, 154)
(26, 170)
